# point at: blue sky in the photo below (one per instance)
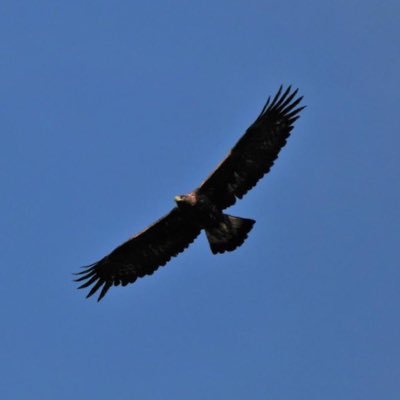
(109, 109)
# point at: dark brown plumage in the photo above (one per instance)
(247, 162)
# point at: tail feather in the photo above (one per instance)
(229, 234)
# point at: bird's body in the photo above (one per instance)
(198, 207)
(224, 232)
(202, 209)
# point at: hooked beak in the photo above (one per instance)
(178, 198)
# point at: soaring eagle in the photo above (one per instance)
(247, 162)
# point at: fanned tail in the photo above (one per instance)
(229, 234)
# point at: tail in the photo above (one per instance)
(229, 234)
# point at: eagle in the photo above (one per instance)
(202, 209)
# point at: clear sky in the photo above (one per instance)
(110, 108)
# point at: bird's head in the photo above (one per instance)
(182, 201)
(179, 199)
(185, 200)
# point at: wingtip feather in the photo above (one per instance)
(95, 288)
(104, 290)
(276, 97)
(88, 283)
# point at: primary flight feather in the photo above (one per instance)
(247, 162)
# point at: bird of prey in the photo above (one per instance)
(247, 162)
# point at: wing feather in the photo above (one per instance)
(142, 254)
(255, 152)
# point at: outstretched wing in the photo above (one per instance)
(255, 153)
(142, 254)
